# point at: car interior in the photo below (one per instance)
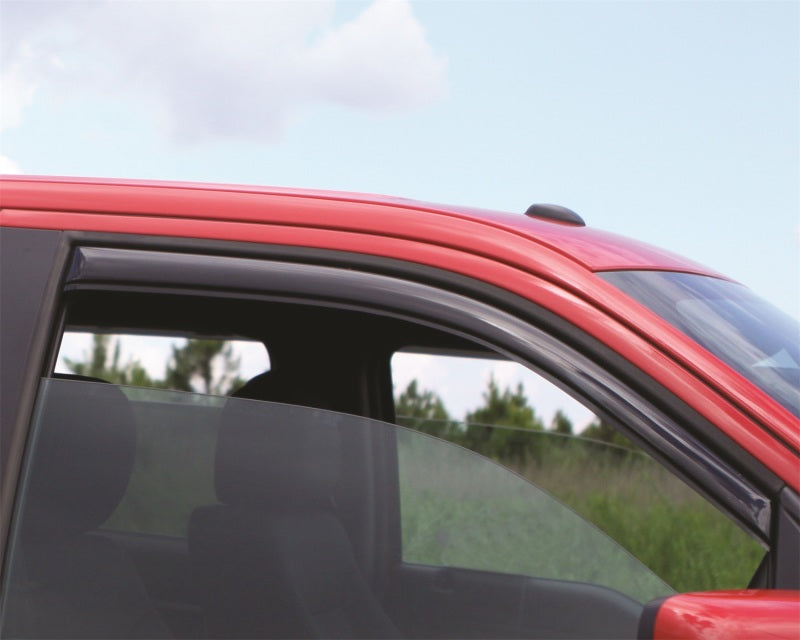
(273, 513)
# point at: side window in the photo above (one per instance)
(173, 466)
(275, 542)
(183, 480)
(274, 473)
(277, 539)
(577, 463)
(462, 510)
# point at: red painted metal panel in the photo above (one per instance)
(730, 615)
(589, 303)
(382, 215)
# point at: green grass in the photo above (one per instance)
(458, 511)
(661, 520)
(673, 530)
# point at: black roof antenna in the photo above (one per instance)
(555, 212)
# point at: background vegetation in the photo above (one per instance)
(599, 474)
(200, 365)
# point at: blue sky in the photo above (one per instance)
(672, 122)
(677, 123)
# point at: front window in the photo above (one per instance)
(579, 466)
(753, 337)
(281, 482)
(209, 465)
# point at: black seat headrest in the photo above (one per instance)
(277, 456)
(288, 387)
(84, 446)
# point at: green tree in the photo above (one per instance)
(502, 427)
(204, 366)
(423, 410)
(561, 424)
(600, 430)
(108, 366)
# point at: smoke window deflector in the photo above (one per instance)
(620, 396)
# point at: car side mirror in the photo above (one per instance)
(713, 615)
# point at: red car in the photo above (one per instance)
(157, 492)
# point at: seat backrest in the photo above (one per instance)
(85, 442)
(65, 580)
(274, 558)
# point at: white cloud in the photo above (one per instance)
(380, 60)
(8, 166)
(30, 40)
(17, 89)
(223, 69)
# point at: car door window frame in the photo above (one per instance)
(29, 305)
(517, 328)
(595, 384)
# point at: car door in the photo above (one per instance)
(342, 325)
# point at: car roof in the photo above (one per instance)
(594, 249)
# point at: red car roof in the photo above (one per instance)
(594, 249)
(546, 261)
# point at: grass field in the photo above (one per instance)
(663, 522)
(458, 512)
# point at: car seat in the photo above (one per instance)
(273, 559)
(65, 581)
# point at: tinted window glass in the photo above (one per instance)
(463, 510)
(507, 413)
(758, 340)
(282, 485)
(177, 454)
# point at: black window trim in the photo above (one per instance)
(594, 380)
(40, 257)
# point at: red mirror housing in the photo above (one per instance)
(728, 615)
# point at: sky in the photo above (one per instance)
(676, 123)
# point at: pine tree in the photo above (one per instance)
(204, 366)
(561, 424)
(502, 428)
(423, 410)
(99, 365)
(600, 430)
